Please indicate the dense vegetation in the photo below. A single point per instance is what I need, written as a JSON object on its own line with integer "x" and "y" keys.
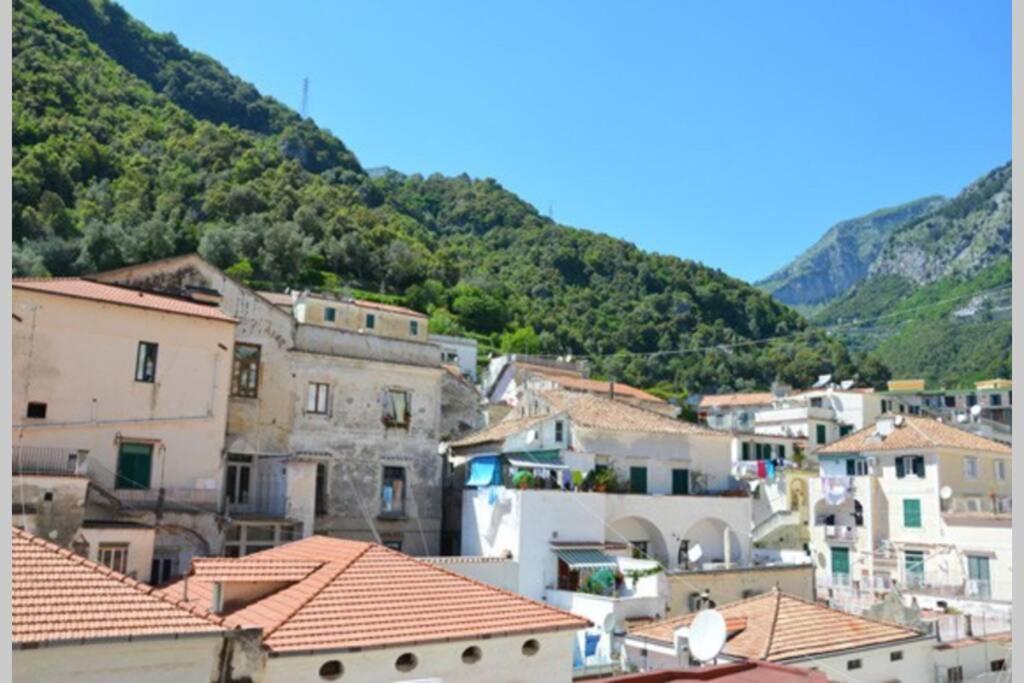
{"x": 129, "y": 147}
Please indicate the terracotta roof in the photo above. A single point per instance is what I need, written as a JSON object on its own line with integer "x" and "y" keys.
{"x": 781, "y": 627}
{"x": 737, "y": 672}
{"x": 277, "y": 298}
{"x": 1001, "y": 637}
{"x": 498, "y": 431}
{"x": 600, "y": 412}
{"x": 284, "y": 299}
{"x": 113, "y": 294}
{"x": 596, "y": 386}
{"x": 730, "y": 400}
{"x": 915, "y": 432}
{"x": 364, "y": 595}
{"x": 225, "y": 570}
{"x": 58, "y": 596}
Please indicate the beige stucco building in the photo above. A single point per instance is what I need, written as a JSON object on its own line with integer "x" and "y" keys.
{"x": 119, "y": 411}
{"x": 331, "y": 428}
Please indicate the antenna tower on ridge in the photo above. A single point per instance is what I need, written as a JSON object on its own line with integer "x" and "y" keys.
{"x": 305, "y": 96}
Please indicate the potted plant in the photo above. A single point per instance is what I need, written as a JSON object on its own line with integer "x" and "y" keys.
{"x": 605, "y": 480}
{"x": 523, "y": 480}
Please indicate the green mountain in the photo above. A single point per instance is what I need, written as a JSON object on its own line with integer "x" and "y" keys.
{"x": 935, "y": 303}
{"x": 842, "y": 257}
{"x": 129, "y": 147}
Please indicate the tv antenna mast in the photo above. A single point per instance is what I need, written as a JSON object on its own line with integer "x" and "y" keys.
{"x": 305, "y": 96}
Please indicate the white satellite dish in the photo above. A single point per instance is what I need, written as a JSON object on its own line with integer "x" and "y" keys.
{"x": 531, "y": 436}
{"x": 609, "y": 622}
{"x": 442, "y": 448}
{"x": 695, "y": 553}
{"x": 899, "y": 421}
{"x": 976, "y": 410}
{"x": 945, "y": 493}
{"x": 707, "y": 635}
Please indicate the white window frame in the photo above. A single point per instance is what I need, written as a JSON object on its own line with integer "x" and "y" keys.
{"x": 970, "y": 468}
{"x": 113, "y": 555}
{"x": 318, "y": 398}
{"x": 999, "y": 469}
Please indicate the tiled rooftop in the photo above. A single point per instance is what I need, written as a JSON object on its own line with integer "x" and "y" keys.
{"x": 223, "y": 569}
{"x": 498, "y": 431}
{"x": 600, "y": 412}
{"x": 780, "y": 627}
{"x": 58, "y": 596}
{"x": 736, "y": 672}
{"x": 597, "y": 386}
{"x": 364, "y": 595}
{"x": 731, "y": 400}
{"x": 915, "y": 432}
{"x": 113, "y": 294}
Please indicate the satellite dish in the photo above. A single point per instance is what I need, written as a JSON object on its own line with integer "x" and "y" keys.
{"x": 609, "y": 622}
{"x": 945, "y": 493}
{"x": 531, "y": 436}
{"x": 707, "y": 635}
{"x": 695, "y": 553}
{"x": 442, "y": 448}
{"x": 976, "y": 410}
{"x": 899, "y": 421}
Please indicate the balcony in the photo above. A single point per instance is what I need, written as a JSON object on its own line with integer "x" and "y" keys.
{"x": 847, "y": 534}
{"x": 259, "y": 505}
{"x": 170, "y": 498}
{"x": 43, "y": 460}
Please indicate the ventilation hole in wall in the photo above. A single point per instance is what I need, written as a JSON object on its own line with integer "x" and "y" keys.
{"x": 332, "y": 670}
{"x": 471, "y": 655}
{"x": 531, "y": 647}
{"x": 406, "y": 662}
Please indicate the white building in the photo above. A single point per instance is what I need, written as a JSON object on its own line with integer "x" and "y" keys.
{"x": 458, "y": 351}
{"x": 120, "y": 404}
{"x": 918, "y": 502}
{"x": 821, "y": 415}
{"x": 783, "y": 629}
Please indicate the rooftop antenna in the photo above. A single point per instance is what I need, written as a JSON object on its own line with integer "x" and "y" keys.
{"x": 707, "y": 635}
{"x": 305, "y": 96}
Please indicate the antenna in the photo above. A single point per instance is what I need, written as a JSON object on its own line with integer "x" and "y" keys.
{"x": 707, "y": 635}
{"x": 531, "y": 436}
{"x": 975, "y": 410}
{"x": 945, "y": 493}
{"x": 305, "y": 96}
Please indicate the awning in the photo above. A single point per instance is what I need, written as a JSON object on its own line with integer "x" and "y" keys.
{"x": 536, "y": 460}
{"x": 484, "y": 471}
{"x": 586, "y": 558}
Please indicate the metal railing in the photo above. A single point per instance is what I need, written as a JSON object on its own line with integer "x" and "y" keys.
{"x": 265, "y": 505}
{"x": 841, "y": 533}
{"x": 47, "y": 460}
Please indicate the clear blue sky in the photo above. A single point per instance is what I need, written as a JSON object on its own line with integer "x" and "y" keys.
{"x": 734, "y": 133}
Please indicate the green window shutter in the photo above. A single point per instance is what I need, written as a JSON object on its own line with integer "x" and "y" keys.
{"x": 918, "y": 465}
{"x": 680, "y": 482}
{"x": 781, "y": 451}
{"x": 912, "y": 513}
{"x": 638, "y": 480}
{"x": 822, "y": 433}
{"x": 851, "y": 467}
{"x": 746, "y": 451}
{"x": 134, "y": 466}
{"x": 840, "y": 560}
{"x": 901, "y": 469}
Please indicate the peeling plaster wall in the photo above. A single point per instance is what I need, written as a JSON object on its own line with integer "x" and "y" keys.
{"x": 57, "y": 520}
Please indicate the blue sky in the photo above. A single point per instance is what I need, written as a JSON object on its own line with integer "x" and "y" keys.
{"x": 734, "y": 133}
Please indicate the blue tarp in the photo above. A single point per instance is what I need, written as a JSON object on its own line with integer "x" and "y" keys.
{"x": 484, "y": 471}
{"x": 592, "y": 639}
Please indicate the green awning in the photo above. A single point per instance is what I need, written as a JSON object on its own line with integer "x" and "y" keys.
{"x": 548, "y": 459}
{"x": 586, "y": 558}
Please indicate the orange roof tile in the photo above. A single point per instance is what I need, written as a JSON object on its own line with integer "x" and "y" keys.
{"x": 781, "y": 627}
{"x": 498, "y": 431}
{"x": 113, "y": 294}
{"x": 915, "y": 432}
{"x": 730, "y": 400}
{"x": 596, "y": 386}
{"x": 600, "y": 412}
{"x": 58, "y": 596}
{"x": 225, "y": 570}
{"x": 365, "y": 595}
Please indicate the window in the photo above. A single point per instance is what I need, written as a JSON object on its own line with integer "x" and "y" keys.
{"x": 237, "y": 479}
{"x": 531, "y": 647}
{"x": 36, "y": 411}
{"x": 330, "y": 314}
{"x": 414, "y": 327}
{"x": 913, "y": 567}
{"x": 113, "y": 555}
{"x": 638, "y": 550}
{"x": 910, "y": 463}
{"x": 780, "y": 451}
{"x": 331, "y": 670}
{"x": 638, "y": 480}
{"x": 245, "y": 539}
{"x": 392, "y": 491}
{"x": 954, "y": 674}
{"x": 995, "y": 400}
{"x": 999, "y": 470}
{"x": 841, "y": 564}
{"x": 406, "y": 662}
{"x": 471, "y": 655}
{"x": 912, "y": 513}
{"x": 746, "y": 451}
{"x": 979, "y": 577}
{"x": 245, "y": 371}
{"x": 856, "y": 467}
{"x": 852, "y": 664}
{"x": 396, "y": 408}
{"x": 973, "y": 503}
{"x": 998, "y": 665}
{"x": 845, "y": 429}
{"x": 371, "y": 321}
{"x": 950, "y": 401}
{"x": 320, "y": 503}
{"x": 161, "y": 570}
{"x": 886, "y": 405}
{"x": 822, "y": 433}
{"x": 971, "y": 400}
{"x": 559, "y": 431}
{"x": 145, "y": 362}
{"x": 896, "y": 656}
{"x": 392, "y": 543}
{"x": 970, "y": 468}
{"x": 316, "y": 398}
{"x": 680, "y": 482}
{"x": 134, "y": 465}
{"x": 816, "y": 402}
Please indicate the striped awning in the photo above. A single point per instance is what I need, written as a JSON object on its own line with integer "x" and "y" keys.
{"x": 585, "y": 558}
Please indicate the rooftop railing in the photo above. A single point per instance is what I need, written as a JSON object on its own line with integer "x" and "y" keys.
{"x": 47, "y": 460}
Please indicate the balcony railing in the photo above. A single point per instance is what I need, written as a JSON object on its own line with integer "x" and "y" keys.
{"x": 171, "y": 497}
{"x": 261, "y": 505}
{"x": 841, "y": 533}
{"x": 979, "y": 588}
{"x": 47, "y": 460}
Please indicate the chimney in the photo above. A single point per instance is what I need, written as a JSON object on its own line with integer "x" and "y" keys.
{"x": 217, "y": 601}
{"x": 611, "y": 388}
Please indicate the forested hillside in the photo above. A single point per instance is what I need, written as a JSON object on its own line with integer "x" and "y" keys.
{"x": 129, "y": 147}
{"x": 936, "y": 301}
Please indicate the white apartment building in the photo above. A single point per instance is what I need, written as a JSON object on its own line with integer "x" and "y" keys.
{"x": 821, "y": 415}
{"x": 916, "y": 502}
{"x": 458, "y": 351}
